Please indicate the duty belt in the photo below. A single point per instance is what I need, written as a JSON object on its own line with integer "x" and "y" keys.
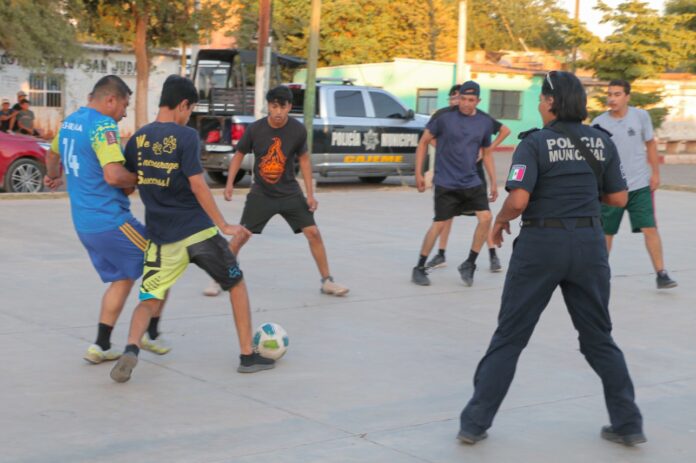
{"x": 580, "y": 222}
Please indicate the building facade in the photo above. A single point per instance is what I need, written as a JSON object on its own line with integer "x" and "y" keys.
{"x": 53, "y": 96}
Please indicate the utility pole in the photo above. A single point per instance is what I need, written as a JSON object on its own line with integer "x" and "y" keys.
{"x": 577, "y": 23}
{"x": 262, "y": 52}
{"x": 462, "y": 70}
{"x": 311, "y": 87}
{"x": 196, "y": 45}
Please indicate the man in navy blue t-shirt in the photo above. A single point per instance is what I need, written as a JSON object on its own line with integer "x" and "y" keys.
{"x": 458, "y": 188}
{"x": 183, "y": 223}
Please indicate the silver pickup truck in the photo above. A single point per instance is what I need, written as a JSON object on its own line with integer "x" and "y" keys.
{"x": 358, "y": 131}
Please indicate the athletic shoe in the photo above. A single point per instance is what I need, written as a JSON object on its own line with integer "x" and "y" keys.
{"x": 419, "y": 276}
{"x": 121, "y": 372}
{"x": 436, "y": 262}
{"x": 466, "y": 271}
{"x": 213, "y": 289}
{"x": 470, "y": 438}
{"x": 254, "y": 364}
{"x": 332, "y": 288}
{"x": 95, "y": 354}
{"x": 495, "y": 264}
{"x": 157, "y": 346}
{"x": 664, "y": 281}
{"x": 625, "y": 439}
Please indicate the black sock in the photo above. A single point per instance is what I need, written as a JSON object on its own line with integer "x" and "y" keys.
{"x": 472, "y": 257}
{"x": 491, "y": 252}
{"x": 152, "y": 329}
{"x": 441, "y": 253}
{"x": 421, "y": 260}
{"x": 104, "y": 336}
{"x": 132, "y": 348}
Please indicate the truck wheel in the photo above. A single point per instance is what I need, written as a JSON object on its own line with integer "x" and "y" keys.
{"x": 218, "y": 176}
{"x": 372, "y": 179}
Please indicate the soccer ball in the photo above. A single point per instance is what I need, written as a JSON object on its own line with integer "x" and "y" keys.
{"x": 271, "y": 341}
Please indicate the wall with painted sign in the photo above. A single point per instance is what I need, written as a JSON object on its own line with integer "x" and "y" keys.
{"x": 55, "y": 96}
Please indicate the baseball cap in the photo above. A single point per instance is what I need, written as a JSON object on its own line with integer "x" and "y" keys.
{"x": 5, "y": 100}
{"x": 470, "y": 88}
{"x": 21, "y": 93}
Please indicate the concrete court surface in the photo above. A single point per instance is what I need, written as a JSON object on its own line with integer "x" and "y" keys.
{"x": 378, "y": 376}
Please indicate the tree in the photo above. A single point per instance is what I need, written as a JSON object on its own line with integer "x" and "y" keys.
{"x": 363, "y": 31}
{"x": 39, "y": 33}
{"x": 685, "y": 7}
{"x": 643, "y": 43}
{"x": 147, "y": 24}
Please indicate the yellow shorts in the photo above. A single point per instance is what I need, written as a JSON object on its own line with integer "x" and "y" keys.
{"x": 165, "y": 263}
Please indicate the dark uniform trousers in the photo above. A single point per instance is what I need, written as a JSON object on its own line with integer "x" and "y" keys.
{"x": 575, "y": 259}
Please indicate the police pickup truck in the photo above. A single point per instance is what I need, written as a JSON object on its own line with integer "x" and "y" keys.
{"x": 358, "y": 131}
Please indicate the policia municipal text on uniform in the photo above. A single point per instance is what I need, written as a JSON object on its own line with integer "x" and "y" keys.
{"x": 561, "y": 244}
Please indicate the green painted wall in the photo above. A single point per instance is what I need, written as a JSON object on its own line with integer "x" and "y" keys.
{"x": 403, "y": 77}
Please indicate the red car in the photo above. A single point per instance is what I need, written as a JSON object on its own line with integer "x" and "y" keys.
{"x": 22, "y": 163}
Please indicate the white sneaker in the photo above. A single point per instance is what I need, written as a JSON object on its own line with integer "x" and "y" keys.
{"x": 157, "y": 346}
{"x": 95, "y": 354}
{"x": 213, "y": 289}
{"x": 333, "y": 289}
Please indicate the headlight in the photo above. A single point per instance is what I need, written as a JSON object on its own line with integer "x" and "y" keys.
{"x": 44, "y": 146}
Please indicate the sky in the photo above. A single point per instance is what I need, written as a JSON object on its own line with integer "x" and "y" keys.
{"x": 591, "y": 17}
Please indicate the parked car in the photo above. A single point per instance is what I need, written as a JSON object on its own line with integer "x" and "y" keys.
{"x": 22, "y": 163}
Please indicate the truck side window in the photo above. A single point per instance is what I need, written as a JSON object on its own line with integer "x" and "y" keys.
{"x": 385, "y": 106}
{"x": 349, "y": 103}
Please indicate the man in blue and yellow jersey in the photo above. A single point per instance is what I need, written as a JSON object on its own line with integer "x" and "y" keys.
{"x": 89, "y": 146}
{"x": 183, "y": 222}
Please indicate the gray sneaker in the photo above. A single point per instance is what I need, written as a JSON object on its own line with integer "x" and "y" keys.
{"x": 466, "y": 271}
{"x": 436, "y": 262}
{"x": 664, "y": 281}
{"x": 121, "y": 372}
{"x": 255, "y": 363}
{"x": 495, "y": 264}
{"x": 629, "y": 440}
{"x": 420, "y": 276}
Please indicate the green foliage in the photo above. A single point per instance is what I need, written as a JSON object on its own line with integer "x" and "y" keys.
{"x": 364, "y": 31}
{"x": 39, "y": 33}
{"x": 685, "y": 7}
{"x": 643, "y": 44}
{"x": 170, "y": 22}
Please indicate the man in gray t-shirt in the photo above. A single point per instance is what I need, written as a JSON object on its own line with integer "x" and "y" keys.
{"x": 632, "y": 133}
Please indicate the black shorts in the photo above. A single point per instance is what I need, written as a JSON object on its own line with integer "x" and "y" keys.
{"x": 451, "y": 203}
{"x": 259, "y": 209}
{"x": 482, "y": 176}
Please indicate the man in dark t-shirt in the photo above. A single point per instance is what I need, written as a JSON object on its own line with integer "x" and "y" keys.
{"x": 502, "y": 131}
{"x": 278, "y": 141}
{"x": 7, "y": 116}
{"x": 460, "y": 135}
{"x": 183, "y": 223}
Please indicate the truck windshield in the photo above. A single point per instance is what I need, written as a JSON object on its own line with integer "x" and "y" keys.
{"x": 211, "y": 74}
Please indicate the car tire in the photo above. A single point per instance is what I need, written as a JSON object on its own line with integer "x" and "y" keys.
{"x": 24, "y": 176}
{"x": 218, "y": 176}
{"x": 372, "y": 180}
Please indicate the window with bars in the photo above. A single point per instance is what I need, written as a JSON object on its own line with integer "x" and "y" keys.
{"x": 505, "y": 104}
{"x": 46, "y": 90}
{"x": 426, "y": 102}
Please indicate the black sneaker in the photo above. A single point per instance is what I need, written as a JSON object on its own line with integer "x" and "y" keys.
{"x": 466, "y": 271}
{"x": 664, "y": 281}
{"x": 436, "y": 262}
{"x": 253, "y": 363}
{"x": 121, "y": 372}
{"x": 625, "y": 439}
{"x": 470, "y": 438}
{"x": 420, "y": 276}
{"x": 495, "y": 264}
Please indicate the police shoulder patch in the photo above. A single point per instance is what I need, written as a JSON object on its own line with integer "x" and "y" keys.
{"x": 602, "y": 129}
{"x": 525, "y": 134}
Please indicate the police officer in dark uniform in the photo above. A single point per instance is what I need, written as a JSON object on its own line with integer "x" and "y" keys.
{"x": 561, "y": 244}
